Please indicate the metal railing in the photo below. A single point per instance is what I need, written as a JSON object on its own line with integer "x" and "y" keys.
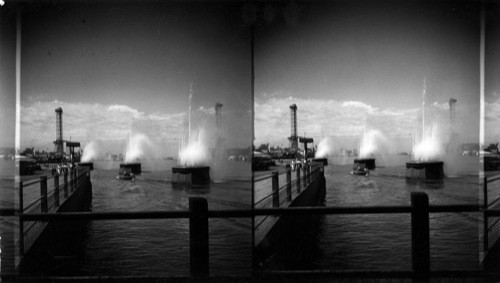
{"x": 282, "y": 195}
{"x": 49, "y": 201}
{"x": 199, "y": 214}
{"x": 491, "y": 200}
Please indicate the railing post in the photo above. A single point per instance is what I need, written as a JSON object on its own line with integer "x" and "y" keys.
{"x": 420, "y": 236}
{"x": 56, "y": 190}
{"x": 276, "y": 189}
{"x": 288, "y": 184}
{"x": 65, "y": 184}
{"x": 75, "y": 173}
{"x": 298, "y": 180}
{"x": 43, "y": 194}
{"x": 485, "y": 192}
{"x": 198, "y": 238}
{"x": 486, "y": 244}
{"x": 308, "y": 172}
{"x": 21, "y": 205}
{"x": 305, "y": 175}
{"x": 72, "y": 181}
{"x": 21, "y": 222}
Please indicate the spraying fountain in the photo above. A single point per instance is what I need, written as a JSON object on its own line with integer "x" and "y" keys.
{"x": 193, "y": 157}
{"x": 426, "y": 164}
{"x": 90, "y": 153}
{"x": 325, "y": 148}
{"x": 133, "y": 152}
{"x": 366, "y": 150}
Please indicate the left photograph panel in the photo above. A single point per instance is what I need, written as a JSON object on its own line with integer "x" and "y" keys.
{"x": 128, "y": 130}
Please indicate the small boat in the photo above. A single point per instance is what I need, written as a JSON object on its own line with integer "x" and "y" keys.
{"x": 360, "y": 169}
{"x": 126, "y": 174}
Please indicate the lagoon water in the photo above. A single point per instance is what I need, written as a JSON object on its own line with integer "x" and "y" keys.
{"x": 161, "y": 247}
{"x": 383, "y": 241}
{"x": 338, "y": 242}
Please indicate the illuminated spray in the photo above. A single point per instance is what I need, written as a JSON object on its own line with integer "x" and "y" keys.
{"x": 430, "y": 147}
{"x": 196, "y": 151}
{"x": 372, "y": 142}
{"x": 139, "y": 147}
{"x": 91, "y": 152}
{"x": 325, "y": 148}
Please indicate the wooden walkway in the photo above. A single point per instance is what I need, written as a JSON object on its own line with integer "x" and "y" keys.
{"x": 279, "y": 188}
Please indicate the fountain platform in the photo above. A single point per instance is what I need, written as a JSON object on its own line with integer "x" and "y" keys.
{"x": 324, "y": 161}
{"x": 89, "y": 165}
{"x": 195, "y": 175}
{"x": 432, "y": 170}
{"x": 368, "y": 163}
{"x": 134, "y": 166}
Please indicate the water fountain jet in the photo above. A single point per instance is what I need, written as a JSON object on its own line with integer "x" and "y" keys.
{"x": 325, "y": 148}
{"x": 193, "y": 157}
{"x": 137, "y": 149}
{"x": 90, "y": 153}
{"x": 370, "y": 144}
{"x": 426, "y": 163}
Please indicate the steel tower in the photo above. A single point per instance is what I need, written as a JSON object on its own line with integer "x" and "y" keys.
{"x": 294, "y": 140}
{"x": 59, "y": 143}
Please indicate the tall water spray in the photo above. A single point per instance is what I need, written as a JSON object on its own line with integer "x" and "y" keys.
{"x": 373, "y": 142}
{"x": 194, "y": 157}
{"x": 139, "y": 147}
{"x": 430, "y": 147}
{"x": 91, "y": 152}
{"x": 194, "y": 151}
{"x": 325, "y": 148}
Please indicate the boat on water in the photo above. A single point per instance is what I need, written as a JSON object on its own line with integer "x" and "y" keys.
{"x": 126, "y": 174}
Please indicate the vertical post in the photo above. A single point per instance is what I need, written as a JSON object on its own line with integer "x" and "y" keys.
{"x": 485, "y": 192}
{"x": 21, "y": 222}
{"x": 21, "y": 205}
{"x": 43, "y": 194}
{"x": 298, "y": 180}
{"x": 288, "y": 184}
{"x": 198, "y": 238}
{"x": 56, "y": 190}
{"x": 309, "y": 172}
{"x": 276, "y": 189}
{"x": 486, "y": 244}
{"x": 65, "y": 184}
{"x": 72, "y": 181}
{"x": 305, "y": 175}
{"x": 420, "y": 236}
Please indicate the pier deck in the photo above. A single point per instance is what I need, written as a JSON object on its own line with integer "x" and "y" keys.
{"x": 67, "y": 192}
{"x": 283, "y": 187}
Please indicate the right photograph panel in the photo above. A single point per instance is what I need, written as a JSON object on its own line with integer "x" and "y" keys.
{"x": 491, "y": 137}
{"x": 366, "y": 114}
